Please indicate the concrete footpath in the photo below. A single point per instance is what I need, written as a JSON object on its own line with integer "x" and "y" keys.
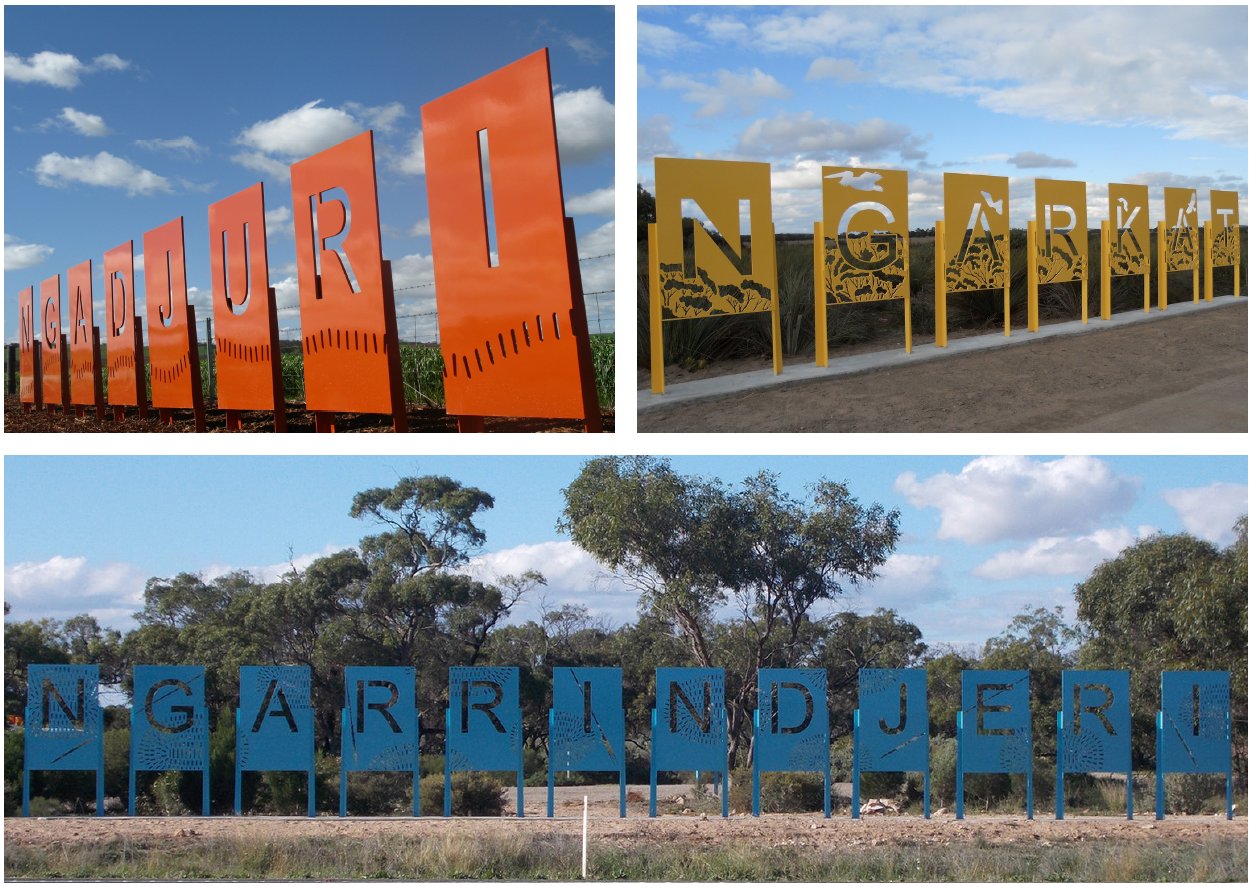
{"x": 739, "y": 383}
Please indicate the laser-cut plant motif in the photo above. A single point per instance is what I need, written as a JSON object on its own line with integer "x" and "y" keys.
{"x": 687, "y": 298}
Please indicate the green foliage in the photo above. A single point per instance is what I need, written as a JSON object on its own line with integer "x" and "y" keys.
{"x": 1169, "y": 603}
{"x": 848, "y": 642}
{"x": 14, "y": 752}
{"x": 380, "y": 794}
{"x": 779, "y": 792}
{"x": 475, "y": 794}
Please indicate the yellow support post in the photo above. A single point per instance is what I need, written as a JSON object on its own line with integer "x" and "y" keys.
{"x": 1104, "y": 269}
{"x": 1162, "y": 242}
{"x": 1032, "y": 275}
{"x": 906, "y": 283}
{"x": 1084, "y": 297}
{"x": 1195, "y": 270}
{"x": 1006, "y": 298}
{"x": 1208, "y": 274}
{"x": 821, "y": 300}
{"x": 940, "y": 287}
{"x": 1237, "y": 265}
{"x": 658, "y": 384}
{"x": 777, "y": 361}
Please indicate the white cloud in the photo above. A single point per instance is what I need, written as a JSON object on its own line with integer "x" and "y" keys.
{"x": 57, "y": 68}
{"x": 137, "y": 264}
{"x": 301, "y": 132}
{"x": 267, "y": 166}
{"x": 1013, "y": 497}
{"x": 728, "y": 93}
{"x": 1179, "y": 69}
{"x": 572, "y": 577}
{"x": 271, "y": 573}
{"x": 906, "y": 582}
{"x": 380, "y": 118}
{"x": 653, "y": 138}
{"x": 87, "y": 124}
{"x": 421, "y": 228}
{"x": 185, "y": 144}
{"x": 414, "y": 269}
{"x": 62, "y": 587}
{"x": 1209, "y": 512}
{"x": 1057, "y": 556}
{"x": 843, "y": 70}
{"x": 660, "y": 40}
{"x": 104, "y": 170}
{"x": 585, "y": 125}
{"x": 413, "y": 161}
{"x": 597, "y": 276}
{"x": 279, "y": 223}
{"x": 1031, "y": 160}
{"x": 597, "y": 203}
{"x": 789, "y": 133}
{"x": 19, "y": 255}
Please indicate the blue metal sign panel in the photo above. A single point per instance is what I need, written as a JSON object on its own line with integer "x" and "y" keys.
{"x": 1095, "y": 731}
{"x": 276, "y": 719}
{"x": 64, "y": 725}
{"x": 1195, "y": 707}
{"x": 997, "y": 723}
{"x": 378, "y": 725}
{"x": 791, "y": 728}
{"x": 586, "y": 730}
{"x": 380, "y": 731}
{"x": 485, "y": 719}
{"x": 586, "y": 725}
{"x": 483, "y": 725}
{"x": 893, "y": 720}
{"x": 64, "y": 721}
{"x": 690, "y": 724}
{"x": 170, "y": 724}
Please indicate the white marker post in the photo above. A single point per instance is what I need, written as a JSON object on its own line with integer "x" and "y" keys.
{"x": 584, "y": 855}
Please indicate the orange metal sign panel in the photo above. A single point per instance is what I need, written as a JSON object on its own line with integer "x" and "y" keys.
{"x": 172, "y": 350}
{"x": 85, "y": 382}
{"x": 349, "y": 337}
{"x": 52, "y": 358}
{"x": 514, "y": 336}
{"x": 125, "y": 342}
{"x": 247, "y": 328}
{"x": 30, "y": 391}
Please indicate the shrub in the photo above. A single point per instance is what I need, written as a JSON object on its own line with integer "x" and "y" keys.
{"x": 475, "y": 794}
{"x": 1194, "y": 794}
{"x": 780, "y": 792}
{"x": 380, "y": 793}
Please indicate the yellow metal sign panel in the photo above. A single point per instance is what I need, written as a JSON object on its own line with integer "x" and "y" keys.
{"x": 1128, "y": 207}
{"x": 866, "y": 234}
{"x": 977, "y": 245}
{"x": 1224, "y": 228}
{"x": 1181, "y": 213}
{"x": 1062, "y": 245}
{"x": 721, "y": 275}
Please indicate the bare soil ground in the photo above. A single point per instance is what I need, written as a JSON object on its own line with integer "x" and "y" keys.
{"x": 605, "y": 827}
{"x": 425, "y": 419}
{"x": 1189, "y": 372}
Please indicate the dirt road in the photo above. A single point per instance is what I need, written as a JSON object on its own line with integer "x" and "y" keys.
{"x": 1183, "y": 374}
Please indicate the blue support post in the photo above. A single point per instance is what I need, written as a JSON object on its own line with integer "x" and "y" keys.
{"x": 344, "y": 776}
{"x": 130, "y": 799}
{"x": 100, "y": 781}
{"x": 1159, "y": 766}
{"x": 928, "y": 802}
{"x": 755, "y": 787}
{"x": 448, "y": 779}
{"x": 1058, "y": 766}
{"x": 237, "y": 763}
{"x": 1029, "y": 802}
{"x": 550, "y": 805}
{"x": 310, "y": 781}
{"x": 828, "y": 793}
{"x": 417, "y": 772}
{"x": 1128, "y": 794}
{"x": 855, "y": 803}
{"x": 623, "y": 790}
{"x": 725, "y": 793}
{"x": 519, "y": 782}
{"x": 958, "y": 770}
{"x": 1228, "y": 784}
{"x": 26, "y": 791}
{"x": 653, "y": 763}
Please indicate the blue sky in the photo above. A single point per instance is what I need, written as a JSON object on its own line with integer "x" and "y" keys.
{"x": 1153, "y": 95}
{"x": 119, "y": 119}
{"x": 982, "y": 538}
